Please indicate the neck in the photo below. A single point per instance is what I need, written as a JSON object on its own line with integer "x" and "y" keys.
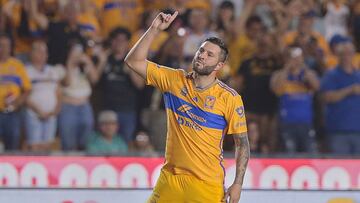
{"x": 204, "y": 81}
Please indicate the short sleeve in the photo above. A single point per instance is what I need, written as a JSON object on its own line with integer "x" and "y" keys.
{"x": 59, "y": 71}
{"x": 327, "y": 83}
{"x": 235, "y": 116}
{"x": 160, "y": 76}
{"x": 26, "y": 83}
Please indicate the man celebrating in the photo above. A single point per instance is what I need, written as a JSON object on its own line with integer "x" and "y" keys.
{"x": 200, "y": 111}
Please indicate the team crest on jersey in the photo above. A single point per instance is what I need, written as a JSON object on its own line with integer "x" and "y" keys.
{"x": 240, "y": 111}
{"x": 184, "y": 91}
{"x": 210, "y": 102}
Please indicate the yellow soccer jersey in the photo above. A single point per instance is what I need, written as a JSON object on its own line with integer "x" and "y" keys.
{"x": 197, "y": 122}
{"x": 124, "y": 13}
{"x": 13, "y": 79}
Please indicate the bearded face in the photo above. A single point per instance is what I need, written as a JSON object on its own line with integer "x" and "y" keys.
{"x": 206, "y": 59}
{"x": 201, "y": 69}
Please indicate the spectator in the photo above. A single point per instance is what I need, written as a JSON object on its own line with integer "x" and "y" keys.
{"x": 336, "y": 18}
{"x": 253, "y": 81}
{"x": 88, "y": 20}
{"x": 306, "y": 33}
{"x": 243, "y": 46}
{"x": 146, "y": 21}
{"x": 76, "y": 116}
{"x": 44, "y": 101}
{"x": 184, "y": 7}
{"x": 295, "y": 85}
{"x": 355, "y": 24}
{"x": 106, "y": 141}
{"x": 120, "y": 13}
{"x": 331, "y": 61}
{"x": 199, "y": 25}
{"x": 26, "y": 22}
{"x": 14, "y": 89}
{"x": 341, "y": 94}
{"x": 64, "y": 33}
{"x": 225, "y": 21}
{"x": 142, "y": 146}
{"x": 119, "y": 85}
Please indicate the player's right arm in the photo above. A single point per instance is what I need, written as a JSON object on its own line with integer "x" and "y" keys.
{"x": 136, "y": 59}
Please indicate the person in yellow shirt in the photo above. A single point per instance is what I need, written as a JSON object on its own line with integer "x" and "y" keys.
{"x": 247, "y": 30}
{"x": 124, "y": 13}
{"x": 201, "y": 110}
{"x": 26, "y": 25}
{"x": 331, "y": 60}
{"x": 88, "y": 20}
{"x": 146, "y": 22}
{"x": 14, "y": 88}
{"x": 305, "y": 31}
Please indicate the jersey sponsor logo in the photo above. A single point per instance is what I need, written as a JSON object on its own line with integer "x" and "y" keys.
{"x": 210, "y": 102}
{"x": 196, "y": 114}
{"x": 186, "y": 109}
{"x": 182, "y": 121}
{"x": 240, "y": 111}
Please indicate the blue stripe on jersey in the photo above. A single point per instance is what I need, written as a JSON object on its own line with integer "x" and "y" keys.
{"x": 11, "y": 79}
{"x": 115, "y": 5}
{"x": 196, "y": 114}
{"x": 87, "y": 27}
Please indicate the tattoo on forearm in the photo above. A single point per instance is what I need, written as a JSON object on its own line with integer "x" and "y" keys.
{"x": 242, "y": 156}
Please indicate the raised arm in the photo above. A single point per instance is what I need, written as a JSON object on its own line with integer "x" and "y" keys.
{"x": 242, "y": 156}
{"x": 333, "y": 96}
{"x": 136, "y": 58}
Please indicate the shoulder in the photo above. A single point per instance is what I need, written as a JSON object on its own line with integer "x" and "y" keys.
{"x": 30, "y": 70}
{"x": 173, "y": 70}
{"x": 331, "y": 73}
{"x": 15, "y": 62}
{"x": 229, "y": 92}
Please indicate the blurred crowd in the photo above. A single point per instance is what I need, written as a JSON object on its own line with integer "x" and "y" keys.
{"x": 64, "y": 84}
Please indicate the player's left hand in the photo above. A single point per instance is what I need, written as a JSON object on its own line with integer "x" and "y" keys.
{"x": 233, "y": 193}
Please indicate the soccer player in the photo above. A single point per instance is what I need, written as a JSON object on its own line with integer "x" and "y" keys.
{"x": 201, "y": 110}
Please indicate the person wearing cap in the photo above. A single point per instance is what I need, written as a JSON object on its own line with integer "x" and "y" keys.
{"x": 331, "y": 61}
{"x": 106, "y": 140}
{"x": 340, "y": 90}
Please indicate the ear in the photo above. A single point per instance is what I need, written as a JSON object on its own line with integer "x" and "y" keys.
{"x": 219, "y": 66}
